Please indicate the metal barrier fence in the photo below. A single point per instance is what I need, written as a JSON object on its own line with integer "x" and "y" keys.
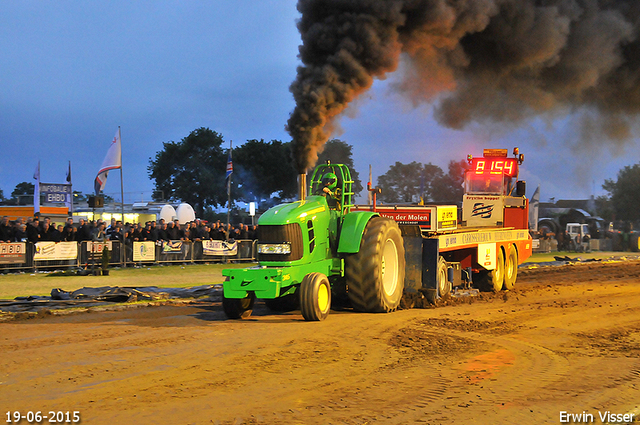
{"x": 60, "y": 255}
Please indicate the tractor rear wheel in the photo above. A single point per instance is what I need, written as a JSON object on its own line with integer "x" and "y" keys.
{"x": 315, "y": 297}
{"x": 511, "y": 268}
{"x": 375, "y": 275}
{"x": 492, "y": 280}
{"x": 238, "y": 308}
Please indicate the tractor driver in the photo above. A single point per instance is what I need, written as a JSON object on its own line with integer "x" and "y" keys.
{"x": 330, "y": 190}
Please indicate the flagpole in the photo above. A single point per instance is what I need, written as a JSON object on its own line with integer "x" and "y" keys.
{"x": 229, "y": 191}
{"x": 71, "y": 189}
{"x": 122, "y": 196}
{"x": 36, "y": 192}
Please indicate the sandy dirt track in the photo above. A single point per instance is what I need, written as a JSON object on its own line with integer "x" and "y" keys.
{"x": 566, "y": 339}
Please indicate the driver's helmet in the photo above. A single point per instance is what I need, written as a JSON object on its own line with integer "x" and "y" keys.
{"x": 330, "y": 181}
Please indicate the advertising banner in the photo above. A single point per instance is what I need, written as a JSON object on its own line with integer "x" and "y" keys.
{"x": 98, "y": 247}
{"x": 172, "y": 247}
{"x": 13, "y": 253}
{"x": 144, "y": 252}
{"x": 210, "y": 247}
{"x": 56, "y": 251}
{"x": 483, "y": 210}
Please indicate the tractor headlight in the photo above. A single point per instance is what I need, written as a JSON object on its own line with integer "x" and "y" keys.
{"x": 274, "y": 248}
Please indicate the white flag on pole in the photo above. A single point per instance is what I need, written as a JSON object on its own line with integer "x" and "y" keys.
{"x": 112, "y": 161}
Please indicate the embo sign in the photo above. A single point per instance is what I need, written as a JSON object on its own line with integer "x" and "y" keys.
{"x": 55, "y": 193}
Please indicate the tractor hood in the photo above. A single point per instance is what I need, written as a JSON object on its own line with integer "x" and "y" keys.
{"x": 295, "y": 212}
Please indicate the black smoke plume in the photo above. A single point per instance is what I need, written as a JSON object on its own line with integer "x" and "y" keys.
{"x": 480, "y": 60}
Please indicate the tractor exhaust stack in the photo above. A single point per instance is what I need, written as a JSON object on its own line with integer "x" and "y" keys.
{"x": 302, "y": 186}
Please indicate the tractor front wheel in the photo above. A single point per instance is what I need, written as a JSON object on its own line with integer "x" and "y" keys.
{"x": 238, "y": 308}
{"x": 375, "y": 275}
{"x": 315, "y": 297}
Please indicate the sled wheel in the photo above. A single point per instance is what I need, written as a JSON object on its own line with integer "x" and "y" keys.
{"x": 492, "y": 280}
{"x": 511, "y": 268}
{"x": 238, "y": 308}
{"x": 315, "y": 297}
{"x": 375, "y": 275}
{"x": 443, "y": 284}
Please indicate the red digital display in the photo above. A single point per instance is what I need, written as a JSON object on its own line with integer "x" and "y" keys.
{"x": 502, "y": 166}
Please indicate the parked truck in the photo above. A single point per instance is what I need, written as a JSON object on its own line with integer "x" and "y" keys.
{"x": 323, "y": 246}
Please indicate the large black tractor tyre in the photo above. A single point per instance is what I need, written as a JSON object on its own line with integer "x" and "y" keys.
{"x": 511, "y": 268}
{"x": 238, "y": 308}
{"x": 315, "y": 297}
{"x": 285, "y": 303}
{"x": 444, "y": 286}
{"x": 493, "y": 280}
{"x": 375, "y": 275}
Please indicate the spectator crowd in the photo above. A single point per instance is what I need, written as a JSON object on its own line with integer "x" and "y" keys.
{"x": 33, "y": 230}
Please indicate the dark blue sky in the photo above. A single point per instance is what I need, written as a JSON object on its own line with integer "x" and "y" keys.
{"x": 72, "y": 72}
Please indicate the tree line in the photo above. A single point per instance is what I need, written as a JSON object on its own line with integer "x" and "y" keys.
{"x": 193, "y": 171}
{"x": 622, "y": 201}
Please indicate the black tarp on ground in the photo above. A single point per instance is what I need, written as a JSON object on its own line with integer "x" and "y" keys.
{"x": 88, "y": 297}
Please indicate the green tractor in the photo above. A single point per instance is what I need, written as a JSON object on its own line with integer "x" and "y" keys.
{"x": 316, "y": 248}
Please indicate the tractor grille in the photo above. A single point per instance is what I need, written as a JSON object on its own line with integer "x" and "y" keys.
{"x": 291, "y": 233}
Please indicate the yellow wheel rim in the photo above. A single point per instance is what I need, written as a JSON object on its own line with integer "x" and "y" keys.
{"x": 323, "y": 297}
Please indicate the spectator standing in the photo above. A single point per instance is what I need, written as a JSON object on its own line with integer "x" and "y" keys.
{"x": 6, "y": 231}
{"x": 136, "y": 234}
{"x": 115, "y": 234}
{"x": 234, "y": 233}
{"x": 194, "y": 232}
{"x": 153, "y": 234}
{"x": 46, "y": 234}
{"x": 68, "y": 234}
{"x": 99, "y": 233}
{"x": 84, "y": 232}
{"x": 173, "y": 232}
{"x": 243, "y": 232}
{"x": 162, "y": 232}
{"x": 145, "y": 233}
{"x": 222, "y": 234}
{"x": 33, "y": 235}
{"x": 184, "y": 232}
{"x": 111, "y": 228}
{"x": 20, "y": 233}
{"x": 47, "y": 221}
{"x": 179, "y": 230}
{"x": 206, "y": 234}
{"x": 56, "y": 234}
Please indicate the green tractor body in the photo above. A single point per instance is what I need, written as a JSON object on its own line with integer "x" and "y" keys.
{"x": 304, "y": 251}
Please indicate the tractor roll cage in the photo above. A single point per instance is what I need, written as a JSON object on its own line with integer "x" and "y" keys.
{"x": 344, "y": 183}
